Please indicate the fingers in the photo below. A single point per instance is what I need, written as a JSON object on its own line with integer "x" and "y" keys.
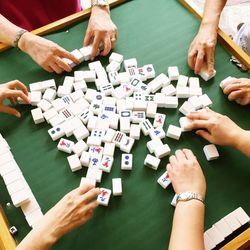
{"x": 17, "y": 84}
{"x": 56, "y": 68}
{"x": 63, "y": 65}
{"x": 91, "y": 194}
{"x": 15, "y": 94}
{"x": 210, "y": 58}
{"x": 107, "y": 47}
{"x": 188, "y": 154}
{"x": 9, "y": 110}
{"x": 92, "y": 205}
{"x": 173, "y": 160}
{"x": 196, "y": 124}
{"x": 199, "y": 115}
{"x": 85, "y": 188}
{"x": 48, "y": 68}
{"x": 192, "y": 58}
{"x": 235, "y": 95}
{"x": 180, "y": 156}
{"x": 199, "y": 61}
{"x": 114, "y": 39}
{"x": 204, "y": 134}
{"x": 96, "y": 44}
{"x": 169, "y": 167}
{"x": 243, "y": 101}
{"x": 87, "y": 39}
{"x": 65, "y": 54}
{"x": 12, "y": 100}
{"x": 232, "y": 87}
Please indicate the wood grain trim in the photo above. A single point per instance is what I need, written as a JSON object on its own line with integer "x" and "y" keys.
{"x": 242, "y": 242}
{"x": 7, "y": 242}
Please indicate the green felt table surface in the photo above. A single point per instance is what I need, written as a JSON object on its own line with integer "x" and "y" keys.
{"x": 157, "y": 32}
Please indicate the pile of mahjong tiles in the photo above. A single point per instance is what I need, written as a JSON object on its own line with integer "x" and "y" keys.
{"x": 115, "y": 114}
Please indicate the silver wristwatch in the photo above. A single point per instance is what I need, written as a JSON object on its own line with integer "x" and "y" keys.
{"x": 186, "y": 196}
{"x": 101, "y": 3}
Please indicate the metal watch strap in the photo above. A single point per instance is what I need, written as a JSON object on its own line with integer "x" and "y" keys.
{"x": 96, "y": 3}
{"x": 18, "y": 36}
{"x": 193, "y": 196}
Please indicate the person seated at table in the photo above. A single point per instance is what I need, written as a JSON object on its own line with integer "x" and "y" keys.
{"x": 220, "y": 129}
{"x": 18, "y": 16}
{"x": 73, "y": 210}
{"x": 201, "y": 51}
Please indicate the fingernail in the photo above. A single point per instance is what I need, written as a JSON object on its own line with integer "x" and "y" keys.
{"x": 18, "y": 115}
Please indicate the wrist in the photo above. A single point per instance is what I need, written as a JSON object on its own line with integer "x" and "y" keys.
{"x": 24, "y": 42}
{"x": 210, "y": 27}
{"x": 98, "y": 9}
{"x": 190, "y": 195}
{"x": 190, "y": 203}
{"x": 241, "y": 140}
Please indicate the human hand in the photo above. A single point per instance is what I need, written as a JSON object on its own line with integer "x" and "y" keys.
{"x": 238, "y": 90}
{"x": 11, "y": 92}
{"x": 46, "y": 53}
{"x": 214, "y": 127}
{"x": 201, "y": 51}
{"x": 102, "y": 30}
{"x": 185, "y": 173}
{"x": 73, "y": 210}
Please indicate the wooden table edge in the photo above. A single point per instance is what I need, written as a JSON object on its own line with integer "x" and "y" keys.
{"x": 226, "y": 41}
{"x": 240, "y": 242}
{"x": 7, "y": 242}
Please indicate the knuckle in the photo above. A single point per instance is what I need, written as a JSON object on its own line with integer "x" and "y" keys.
{"x": 54, "y": 49}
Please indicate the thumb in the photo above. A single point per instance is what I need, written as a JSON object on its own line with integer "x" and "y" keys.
{"x": 9, "y": 110}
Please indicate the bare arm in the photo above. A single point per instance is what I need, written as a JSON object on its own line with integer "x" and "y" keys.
{"x": 188, "y": 223}
{"x": 201, "y": 51}
{"x": 7, "y": 31}
{"x": 212, "y": 12}
{"x": 243, "y": 143}
{"x": 73, "y": 210}
{"x": 188, "y": 226}
{"x": 44, "y": 52}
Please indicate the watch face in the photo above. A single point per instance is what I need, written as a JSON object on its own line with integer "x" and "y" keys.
{"x": 185, "y": 195}
{"x": 103, "y": 2}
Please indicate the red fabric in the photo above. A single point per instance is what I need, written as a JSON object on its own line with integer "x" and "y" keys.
{"x": 36, "y": 13}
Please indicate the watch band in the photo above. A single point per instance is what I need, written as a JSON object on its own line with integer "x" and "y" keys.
{"x": 99, "y": 3}
{"x": 187, "y": 196}
{"x": 18, "y": 37}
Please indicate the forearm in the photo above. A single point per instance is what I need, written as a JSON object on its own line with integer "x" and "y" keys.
{"x": 8, "y": 31}
{"x": 212, "y": 12}
{"x": 42, "y": 236}
{"x": 35, "y": 241}
{"x": 188, "y": 226}
{"x": 243, "y": 142}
